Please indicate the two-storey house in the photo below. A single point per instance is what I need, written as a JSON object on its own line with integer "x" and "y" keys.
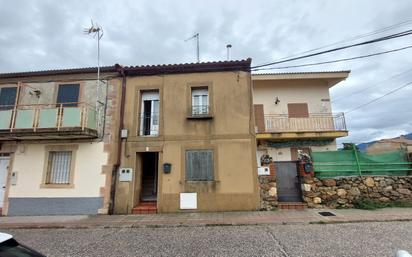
{"x": 188, "y": 140}
{"x": 57, "y": 134}
{"x": 293, "y": 113}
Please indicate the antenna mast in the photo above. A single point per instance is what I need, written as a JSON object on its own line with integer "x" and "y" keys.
{"x": 196, "y": 36}
{"x": 96, "y": 31}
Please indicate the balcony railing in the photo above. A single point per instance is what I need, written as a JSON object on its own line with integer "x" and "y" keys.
{"x": 199, "y": 111}
{"x": 57, "y": 120}
{"x": 149, "y": 124}
{"x": 314, "y": 122}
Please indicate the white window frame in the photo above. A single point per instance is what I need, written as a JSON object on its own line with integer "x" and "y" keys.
{"x": 200, "y": 101}
{"x": 152, "y": 96}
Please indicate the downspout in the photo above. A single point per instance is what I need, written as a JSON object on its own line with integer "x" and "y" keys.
{"x": 116, "y": 166}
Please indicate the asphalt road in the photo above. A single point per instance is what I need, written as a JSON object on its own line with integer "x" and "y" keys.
{"x": 356, "y": 239}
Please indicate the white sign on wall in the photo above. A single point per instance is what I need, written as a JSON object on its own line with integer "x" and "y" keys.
{"x": 188, "y": 201}
{"x": 125, "y": 174}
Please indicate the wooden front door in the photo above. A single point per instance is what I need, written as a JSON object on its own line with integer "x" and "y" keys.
{"x": 287, "y": 181}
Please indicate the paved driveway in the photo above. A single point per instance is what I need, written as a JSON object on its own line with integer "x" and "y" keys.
{"x": 355, "y": 239}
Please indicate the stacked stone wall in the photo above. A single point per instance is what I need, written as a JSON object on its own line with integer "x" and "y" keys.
{"x": 343, "y": 192}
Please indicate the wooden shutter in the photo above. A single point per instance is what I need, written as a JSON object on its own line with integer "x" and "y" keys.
{"x": 199, "y": 165}
{"x": 299, "y": 110}
{"x": 259, "y": 118}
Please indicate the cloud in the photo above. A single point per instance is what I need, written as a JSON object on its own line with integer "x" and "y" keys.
{"x": 48, "y": 34}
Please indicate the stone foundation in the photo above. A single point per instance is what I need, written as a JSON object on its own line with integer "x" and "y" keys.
{"x": 342, "y": 192}
{"x": 268, "y": 193}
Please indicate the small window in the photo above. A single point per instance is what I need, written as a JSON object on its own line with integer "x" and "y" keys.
{"x": 199, "y": 165}
{"x": 149, "y": 114}
{"x": 68, "y": 95}
{"x": 59, "y": 167}
{"x": 7, "y": 97}
{"x": 200, "y": 101}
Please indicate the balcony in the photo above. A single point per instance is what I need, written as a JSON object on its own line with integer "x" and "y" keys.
{"x": 149, "y": 124}
{"x": 48, "y": 121}
{"x": 199, "y": 112}
{"x": 325, "y": 125}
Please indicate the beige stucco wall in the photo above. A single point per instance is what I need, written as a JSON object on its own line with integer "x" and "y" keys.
{"x": 292, "y": 91}
{"x": 230, "y": 133}
{"x": 29, "y": 164}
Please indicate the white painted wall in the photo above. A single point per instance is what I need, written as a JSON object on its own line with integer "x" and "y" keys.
{"x": 291, "y": 91}
{"x": 29, "y": 163}
{"x": 283, "y": 154}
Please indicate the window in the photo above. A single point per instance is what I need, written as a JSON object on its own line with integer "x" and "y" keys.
{"x": 200, "y": 101}
{"x": 298, "y": 110}
{"x": 7, "y": 97}
{"x": 59, "y": 167}
{"x": 68, "y": 95}
{"x": 199, "y": 165}
{"x": 149, "y": 114}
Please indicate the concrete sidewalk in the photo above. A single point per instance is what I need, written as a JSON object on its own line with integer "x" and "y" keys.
{"x": 208, "y": 219}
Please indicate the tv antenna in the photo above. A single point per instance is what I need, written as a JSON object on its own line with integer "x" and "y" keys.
{"x": 96, "y": 31}
{"x": 195, "y": 36}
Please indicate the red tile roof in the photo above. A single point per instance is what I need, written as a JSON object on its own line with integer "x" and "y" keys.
{"x": 242, "y": 65}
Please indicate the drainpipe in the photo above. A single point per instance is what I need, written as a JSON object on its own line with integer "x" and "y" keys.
{"x": 115, "y": 170}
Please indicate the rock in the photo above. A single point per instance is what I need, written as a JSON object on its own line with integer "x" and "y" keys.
{"x": 306, "y": 187}
{"x": 388, "y": 188}
{"x": 329, "y": 182}
{"x": 317, "y": 200}
{"x": 404, "y": 191}
{"x": 272, "y": 191}
{"x": 354, "y": 191}
{"x": 342, "y": 192}
{"x": 369, "y": 182}
{"x": 384, "y": 199}
{"x": 346, "y": 186}
{"x": 342, "y": 201}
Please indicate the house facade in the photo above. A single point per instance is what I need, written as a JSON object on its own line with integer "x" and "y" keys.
{"x": 293, "y": 113}
{"x": 58, "y": 132}
{"x": 188, "y": 141}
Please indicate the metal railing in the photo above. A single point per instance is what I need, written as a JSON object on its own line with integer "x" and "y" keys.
{"x": 48, "y": 116}
{"x": 199, "y": 110}
{"x": 149, "y": 124}
{"x": 314, "y": 122}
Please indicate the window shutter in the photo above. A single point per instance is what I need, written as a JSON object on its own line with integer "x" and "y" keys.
{"x": 199, "y": 165}
{"x": 259, "y": 118}
{"x": 299, "y": 110}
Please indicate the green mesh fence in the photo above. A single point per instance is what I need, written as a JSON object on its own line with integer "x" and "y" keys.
{"x": 354, "y": 163}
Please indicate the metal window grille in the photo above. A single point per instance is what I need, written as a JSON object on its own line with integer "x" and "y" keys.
{"x": 59, "y": 167}
{"x": 199, "y": 165}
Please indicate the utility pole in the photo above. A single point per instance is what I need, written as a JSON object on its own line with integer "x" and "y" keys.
{"x": 196, "y": 36}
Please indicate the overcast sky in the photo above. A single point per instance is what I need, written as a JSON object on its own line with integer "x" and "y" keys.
{"x": 48, "y": 34}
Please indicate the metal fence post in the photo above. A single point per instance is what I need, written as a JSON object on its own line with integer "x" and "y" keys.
{"x": 357, "y": 159}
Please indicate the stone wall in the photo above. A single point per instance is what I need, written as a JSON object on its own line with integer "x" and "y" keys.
{"x": 342, "y": 192}
{"x": 268, "y": 193}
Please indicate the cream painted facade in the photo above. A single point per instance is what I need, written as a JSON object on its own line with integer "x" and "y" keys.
{"x": 28, "y": 164}
{"x": 227, "y": 131}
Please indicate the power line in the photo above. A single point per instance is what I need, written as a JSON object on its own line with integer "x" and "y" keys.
{"x": 333, "y": 61}
{"x": 340, "y": 98}
{"x": 378, "y": 98}
{"x": 378, "y": 31}
{"x": 396, "y": 35}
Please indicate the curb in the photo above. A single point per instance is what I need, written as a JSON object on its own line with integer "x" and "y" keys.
{"x": 132, "y": 225}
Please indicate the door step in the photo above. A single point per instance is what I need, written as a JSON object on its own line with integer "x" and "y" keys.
{"x": 145, "y": 208}
{"x": 292, "y": 205}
